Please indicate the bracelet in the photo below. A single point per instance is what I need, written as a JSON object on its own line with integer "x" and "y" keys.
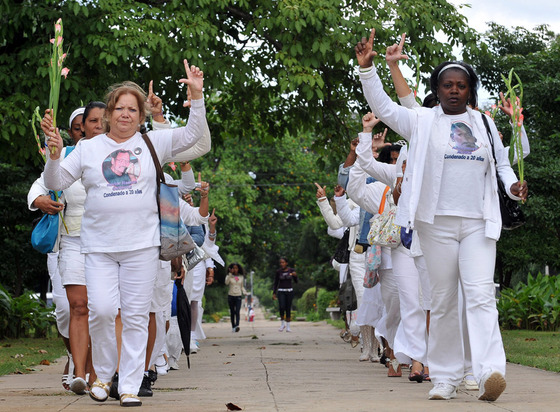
{"x": 157, "y": 114}
{"x": 322, "y": 198}
{"x": 211, "y": 233}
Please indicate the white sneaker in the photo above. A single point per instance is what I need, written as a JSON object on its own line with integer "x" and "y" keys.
{"x": 281, "y": 328}
{"x": 442, "y": 391}
{"x": 470, "y": 382}
{"x": 161, "y": 365}
{"x": 173, "y": 365}
{"x": 364, "y": 357}
{"x": 492, "y": 385}
{"x": 288, "y": 327}
{"x": 194, "y": 348}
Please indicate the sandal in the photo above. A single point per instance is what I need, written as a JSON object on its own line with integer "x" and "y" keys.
{"x": 354, "y": 341}
{"x": 417, "y": 375}
{"x": 394, "y": 369}
{"x": 128, "y": 399}
{"x": 69, "y": 375}
{"x": 97, "y": 395}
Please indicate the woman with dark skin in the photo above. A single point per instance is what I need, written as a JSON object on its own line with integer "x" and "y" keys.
{"x": 284, "y": 292}
{"x": 458, "y": 224}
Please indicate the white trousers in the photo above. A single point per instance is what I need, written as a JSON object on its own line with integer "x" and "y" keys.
{"x": 390, "y": 295}
{"x": 160, "y": 337}
{"x": 130, "y": 275}
{"x": 62, "y": 307}
{"x": 413, "y": 317}
{"x": 457, "y": 250}
{"x": 357, "y": 267}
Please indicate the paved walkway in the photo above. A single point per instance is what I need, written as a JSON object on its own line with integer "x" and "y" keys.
{"x": 260, "y": 369}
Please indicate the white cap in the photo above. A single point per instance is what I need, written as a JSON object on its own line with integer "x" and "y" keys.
{"x": 75, "y": 113}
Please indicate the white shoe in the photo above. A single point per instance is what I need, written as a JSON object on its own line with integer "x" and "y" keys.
{"x": 161, "y": 365}
{"x": 470, "y": 382}
{"x": 281, "y": 328}
{"x": 442, "y": 391}
{"x": 492, "y": 385}
{"x": 173, "y": 365}
{"x": 364, "y": 357}
{"x": 288, "y": 328}
{"x": 193, "y": 347}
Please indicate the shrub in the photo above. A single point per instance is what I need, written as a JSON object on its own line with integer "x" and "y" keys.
{"x": 324, "y": 299}
{"x": 307, "y": 303}
{"x": 531, "y": 306}
{"x": 23, "y": 315}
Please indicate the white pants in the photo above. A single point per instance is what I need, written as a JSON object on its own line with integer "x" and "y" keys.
{"x": 62, "y": 307}
{"x": 426, "y": 293}
{"x": 413, "y": 317}
{"x": 457, "y": 250}
{"x": 390, "y": 295}
{"x": 173, "y": 340}
{"x": 130, "y": 275}
{"x": 357, "y": 267}
{"x": 160, "y": 337}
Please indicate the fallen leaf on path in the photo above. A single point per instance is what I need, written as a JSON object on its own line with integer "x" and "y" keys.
{"x": 261, "y": 347}
{"x": 44, "y": 362}
{"x": 233, "y": 407}
{"x": 530, "y": 340}
{"x": 42, "y": 351}
{"x": 227, "y": 363}
{"x": 231, "y": 354}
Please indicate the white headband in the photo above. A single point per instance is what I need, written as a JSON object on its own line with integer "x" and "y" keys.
{"x": 75, "y": 113}
{"x": 453, "y": 66}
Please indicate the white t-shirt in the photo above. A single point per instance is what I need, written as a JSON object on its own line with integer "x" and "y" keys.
{"x": 120, "y": 180}
{"x": 464, "y": 169}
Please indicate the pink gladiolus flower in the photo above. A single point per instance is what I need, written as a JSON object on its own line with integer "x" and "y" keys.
{"x": 59, "y": 21}
{"x": 57, "y": 27}
{"x": 59, "y": 40}
{"x": 493, "y": 106}
{"x": 64, "y": 72}
{"x": 521, "y": 118}
{"x": 487, "y": 113}
{"x": 173, "y": 166}
{"x": 415, "y": 91}
{"x": 42, "y": 151}
{"x": 52, "y": 41}
{"x": 63, "y": 56}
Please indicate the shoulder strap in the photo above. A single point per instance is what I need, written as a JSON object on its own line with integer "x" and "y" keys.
{"x": 160, "y": 178}
{"x": 69, "y": 150}
{"x": 382, "y": 203}
{"x": 485, "y": 120}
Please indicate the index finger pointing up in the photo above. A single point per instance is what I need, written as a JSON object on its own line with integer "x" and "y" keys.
{"x": 401, "y": 43}
{"x": 151, "y": 88}
{"x": 187, "y": 70}
{"x": 371, "y": 37}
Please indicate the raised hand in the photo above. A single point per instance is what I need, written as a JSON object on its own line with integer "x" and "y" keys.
{"x": 369, "y": 121}
{"x": 364, "y": 51}
{"x": 394, "y": 52}
{"x": 339, "y": 191}
{"x": 195, "y": 80}
{"x": 354, "y": 144}
{"x": 212, "y": 219}
{"x": 378, "y": 142}
{"x": 321, "y": 191}
{"x": 154, "y": 103}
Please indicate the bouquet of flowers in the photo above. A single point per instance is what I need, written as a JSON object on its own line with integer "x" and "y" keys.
{"x": 515, "y": 96}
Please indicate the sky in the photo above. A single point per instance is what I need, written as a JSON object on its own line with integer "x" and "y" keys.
{"x": 525, "y": 13}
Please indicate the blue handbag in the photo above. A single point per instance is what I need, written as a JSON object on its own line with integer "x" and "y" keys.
{"x": 174, "y": 237}
{"x": 45, "y": 233}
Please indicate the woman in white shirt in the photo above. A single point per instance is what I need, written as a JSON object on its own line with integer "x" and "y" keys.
{"x": 120, "y": 226}
{"x": 451, "y": 199}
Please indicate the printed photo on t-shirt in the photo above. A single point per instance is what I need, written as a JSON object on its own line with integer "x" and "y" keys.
{"x": 462, "y": 138}
{"x": 121, "y": 169}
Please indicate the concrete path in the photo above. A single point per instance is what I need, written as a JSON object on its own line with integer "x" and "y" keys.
{"x": 260, "y": 369}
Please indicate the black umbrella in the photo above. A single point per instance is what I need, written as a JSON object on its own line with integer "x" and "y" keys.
{"x": 184, "y": 318}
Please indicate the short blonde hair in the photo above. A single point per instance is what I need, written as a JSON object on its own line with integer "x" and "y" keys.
{"x": 117, "y": 90}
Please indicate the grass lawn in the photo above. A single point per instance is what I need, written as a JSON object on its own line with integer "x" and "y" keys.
{"x": 21, "y": 355}
{"x": 538, "y": 349}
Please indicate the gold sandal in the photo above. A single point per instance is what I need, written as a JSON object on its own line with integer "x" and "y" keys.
{"x": 106, "y": 386}
{"x": 125, "y": 396}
